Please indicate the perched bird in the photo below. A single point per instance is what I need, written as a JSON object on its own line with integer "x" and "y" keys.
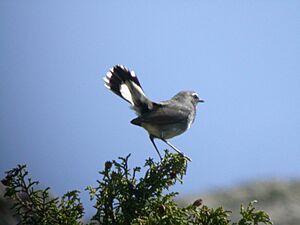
{"x": 162, "y": 120}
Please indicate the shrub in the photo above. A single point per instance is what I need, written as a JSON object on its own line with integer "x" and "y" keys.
{"x": 123, "y": 196}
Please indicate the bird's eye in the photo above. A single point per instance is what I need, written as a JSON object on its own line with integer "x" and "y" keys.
{"x": 195, "y": 96}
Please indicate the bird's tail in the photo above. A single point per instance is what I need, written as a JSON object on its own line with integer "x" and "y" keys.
{"x": 125, "y": 84}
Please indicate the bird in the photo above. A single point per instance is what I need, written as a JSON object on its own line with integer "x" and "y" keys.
{"x": 162, "y": 120}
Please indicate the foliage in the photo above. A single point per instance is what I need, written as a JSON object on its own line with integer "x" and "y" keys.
{"x": 123, "y": 196}
{"x": 35, "y": 206}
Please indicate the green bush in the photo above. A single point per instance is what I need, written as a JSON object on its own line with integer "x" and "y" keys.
{"x": 123, "y": 196}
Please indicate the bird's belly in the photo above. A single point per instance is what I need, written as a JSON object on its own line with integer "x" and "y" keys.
{"x": 164, "y": 131}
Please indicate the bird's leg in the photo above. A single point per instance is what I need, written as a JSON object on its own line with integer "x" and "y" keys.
{"x": 152, "y": 140}
{"x": 176, "y": 149}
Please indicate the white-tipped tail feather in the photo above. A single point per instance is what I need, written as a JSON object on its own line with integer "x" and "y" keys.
{"x": 125, "y": 84}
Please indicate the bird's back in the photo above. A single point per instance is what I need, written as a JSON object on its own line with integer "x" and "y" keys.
{"x": 165, "y": 120}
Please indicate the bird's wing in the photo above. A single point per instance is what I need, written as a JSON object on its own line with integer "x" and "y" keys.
{"x": 162, "y": 115}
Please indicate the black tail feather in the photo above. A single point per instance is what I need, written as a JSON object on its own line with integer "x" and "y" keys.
{"x": 125, "y": 84}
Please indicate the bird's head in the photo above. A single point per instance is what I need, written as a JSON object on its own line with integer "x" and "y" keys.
{"x": 189, "y": 96}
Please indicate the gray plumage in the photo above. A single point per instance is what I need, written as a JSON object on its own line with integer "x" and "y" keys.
{"x": 162, "y": 120}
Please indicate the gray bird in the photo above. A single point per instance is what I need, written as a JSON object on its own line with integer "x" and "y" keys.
{"x": 162, "y": 120}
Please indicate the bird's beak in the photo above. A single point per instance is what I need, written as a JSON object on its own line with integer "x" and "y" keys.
{"x": 201, "y": 100}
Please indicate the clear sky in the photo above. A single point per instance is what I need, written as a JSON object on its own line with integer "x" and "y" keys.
{"x": 242, "y": 57}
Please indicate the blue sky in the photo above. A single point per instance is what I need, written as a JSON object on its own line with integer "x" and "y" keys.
{"x": 242, "y": 57}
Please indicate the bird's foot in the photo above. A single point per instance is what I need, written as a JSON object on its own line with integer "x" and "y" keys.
{"x": 185, "y": 156}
